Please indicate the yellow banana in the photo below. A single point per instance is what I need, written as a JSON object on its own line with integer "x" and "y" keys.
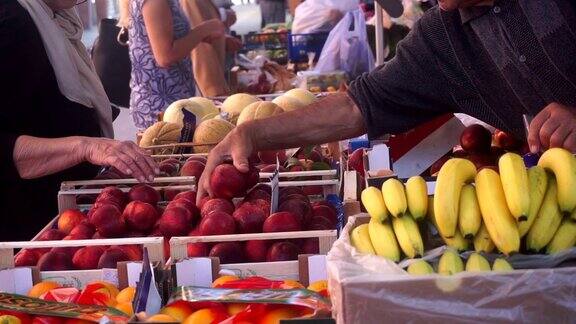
{"x": 469, "y": 216}
{"x": 360, "y": 239}
{"x": 408, "y": 235}
{"x": 501, "y": 265}
{"x": 417, "y": 197}
{"x": 373, "y": 201}
{"x": 482, "y": 240}
{"x": 538, "y": 180}
{"x": 565, "y": 237}
{"x": 563, "y": 164}
{"x": 547, "y": 221}
{"x": 394, "y": 197}
{"x": 476, "y": 263}
{"x": 419, "y": 268}
{"x": 458, "y": 241}
{"x": 500, "y": 223}
{"x": 452, "y": 176}
{"x": 383, "y": 240}
{"x": 515, "y": 182}
{"x": 450, "y": 263}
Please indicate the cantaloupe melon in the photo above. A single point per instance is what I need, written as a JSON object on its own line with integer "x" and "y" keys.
{"x": 305, "y": 96}
{"x": 288, "y": 103}
{"x": 211, "y": 132}
{"x": 208, "y": 106}
{"x": 161, "y": 133}
{"x": 259, "y": 110}
{"x": 234, "y": 105}
{"x": 174, "y": 114}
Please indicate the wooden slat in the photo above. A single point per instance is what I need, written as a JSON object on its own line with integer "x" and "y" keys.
{"x": 72, "y": 184}
{"x": 271, "y": 270}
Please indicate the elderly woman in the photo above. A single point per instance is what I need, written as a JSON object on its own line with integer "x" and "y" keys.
{"x": 56, "y": 121}
{"x": 160, "y": 44}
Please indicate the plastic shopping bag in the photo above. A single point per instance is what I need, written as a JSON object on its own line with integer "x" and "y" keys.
{"x": 314, "y": 16}
{"x": 347, "y": 47}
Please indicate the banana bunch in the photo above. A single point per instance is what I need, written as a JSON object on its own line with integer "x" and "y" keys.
{"x": 395, "y": 197}
{"x": 563, "y": 164}
{"x": 373, "y": 201}
{"x": 547, "y": 221}
{"x": 408, "y": 235}
{"x": 419, "y": 268}
{"x": 457, "y": 241}
{"x": 514, "y": 178}
{"x": 477, "y": 263}
{"x": 376, "y": 238}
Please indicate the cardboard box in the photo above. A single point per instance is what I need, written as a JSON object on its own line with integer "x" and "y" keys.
{"x": 371, "y": 289}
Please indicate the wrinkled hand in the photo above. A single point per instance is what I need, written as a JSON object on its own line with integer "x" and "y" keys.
{"x": 213, "y": 29}
{"x": 238, "y": 146}
{"x": 126, "y": 156}
{"x": 554, "y": 126}
{"x": 233, "y": 44}
{"x": 230, "y": 18}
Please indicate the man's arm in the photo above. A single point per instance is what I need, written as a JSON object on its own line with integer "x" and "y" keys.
{"x": 333, "y": 118}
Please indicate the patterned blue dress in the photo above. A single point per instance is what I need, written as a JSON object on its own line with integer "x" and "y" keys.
{"x": 153, "y": 87}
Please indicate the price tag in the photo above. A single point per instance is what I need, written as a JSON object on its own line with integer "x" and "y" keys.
{"x": 317, "y": 268}
{"x": 274, "y": 188}
{"x": 194, "y": 272}
{"x": 16, "y": 281}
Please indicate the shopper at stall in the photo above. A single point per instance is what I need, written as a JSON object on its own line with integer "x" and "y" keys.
{"x": 160, "y": 44}
{"x": 209, "y": 59}
{"x": 55, "y": 118}
{"x": 493, "y": 61}
{"x": 273, "y": 11}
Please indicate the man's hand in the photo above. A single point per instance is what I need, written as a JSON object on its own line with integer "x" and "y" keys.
{"x": 554, "y": 126}
{"x": 233, "y": 44}
{"x": 213, "y": 29}
{"x": 238, "y": 146}
{"x": 124, "y": 156}
{"x": 230, "y": 18}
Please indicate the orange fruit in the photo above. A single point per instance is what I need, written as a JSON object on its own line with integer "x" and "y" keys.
{"x": 223, "y": 279}
{"x": 126, "y": 308}
{"x": 318, "y": 286}
{"x": 161, "y": 318}
{"x": 207, "y": 315}
{"x": 9, "y": 319}
{"x": 274, "y": 317}
{"x": 126, "y": 295}
{"x": 113, "y": 289}
{"x": 41, "y": 288}
{"x": 178, "y": 310}
{"x": 292, "y": 284}
{"x": 234, "y": 309}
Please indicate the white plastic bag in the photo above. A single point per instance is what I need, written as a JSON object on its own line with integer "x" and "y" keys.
{"x": 317, "y": 15}
{"x": 347, "y": 47}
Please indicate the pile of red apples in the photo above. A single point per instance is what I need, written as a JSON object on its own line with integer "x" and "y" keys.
{"x": 238, "y": 205}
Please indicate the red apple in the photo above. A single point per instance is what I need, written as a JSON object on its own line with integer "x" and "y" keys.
{"x": 325, "y": 203}
{"x": 51, "y": 234}
{"x": 87, "y": 257}
{"x": 476, "y": 139}
{"x": 202, "y": 201}
{"x": 108, "y": 221}
{"x": 310, "y": 245}
{"x": 297, "y": 207}
{"x": 262, "y": 204}
{"x": 55, "y": 261}
{"x": 83, "y": 231}
{"x": 144, "y": 193}
{"x": 282, "y": 251}
{"x": 505, "y": 140}
{"x": 68, "y": 219}
{"x": 252, "y": 178}
{"x": 133, "y": 251}
{"x": 175, "y": 222}
{"x": 261, "y": 191}
{"x": 140, "y": 216}
{"x": 356, "y": 161}
{"x": 320, "y": 224}
{"x": 269, "y": 157}
{"x": 26, "y": 258}
{"x": 169, "y": 193}
{"x": 110, "y": 258}
{"x": 249, "y": 218}
{"x": 192, "y": 169}
{"x": 256, "y": 250}
{"x": 188, "y": 195}
{"x": 168, "y": 168}
{"x": 287, "y": 191}
{"x": 282, "y": 222}
{"x": 482, "y": 160}
{"x": 228, "y": 252}
{"x": 198, "y": 250}
{"x": 197, "y": 158}
{"x": 326, "y": 212}
{"x": 227, "y": 182}
{"x": 217, "y": 223}
{"x": 217, "y": 204}
{"x": 190, "y": 206}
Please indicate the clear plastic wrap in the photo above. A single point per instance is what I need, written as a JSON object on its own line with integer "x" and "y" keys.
{"x": 371, "y": 289}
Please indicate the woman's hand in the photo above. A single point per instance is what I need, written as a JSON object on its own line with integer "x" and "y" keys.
{"x": 211, "y": 30}
{"x": 233, "y": 44}
{"x": 124, "y": 156}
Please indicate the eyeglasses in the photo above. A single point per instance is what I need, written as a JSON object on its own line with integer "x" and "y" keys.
{"x": 79, "y": 2}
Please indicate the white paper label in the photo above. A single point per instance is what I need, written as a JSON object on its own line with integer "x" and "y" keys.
{"x": 317, "y": 268}
{"x": 16, "y": 281}
{"x": 194, "y": 272}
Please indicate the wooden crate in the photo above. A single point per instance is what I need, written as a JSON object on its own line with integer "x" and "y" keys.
{"x": 79, "y": 278}
{"x": 70, "y": 190}
{"x": 271, "y": 270}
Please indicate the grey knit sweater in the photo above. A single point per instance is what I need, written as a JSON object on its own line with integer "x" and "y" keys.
{"x": 494, "y": 63}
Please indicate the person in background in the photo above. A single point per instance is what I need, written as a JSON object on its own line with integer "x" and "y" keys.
{"x": 209, "y": 59}
{"x": 55, "y": 118}
{"x": 273, "y": 11}
{"x": 160, "y": 42}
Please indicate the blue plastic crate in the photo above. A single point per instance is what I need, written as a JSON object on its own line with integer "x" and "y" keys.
{"x": 299, "y": 45}
{"x": 268, "y": 41}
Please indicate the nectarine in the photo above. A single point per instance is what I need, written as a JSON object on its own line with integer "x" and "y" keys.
{"x": 192, "y": 169}
{"x": 144, "y": 193}
{"x": 228, "y": 252}
{"x": 68, "y": 219}
{"x": 26, "y": 258}
{"x": 55, "y": 261}
{"x": 227, "y": 182}
{"x": 83, "y": 231}
{"x": 282, "y": 251}
{"x": 217, "y": 223}
{"x": 249, "y": 218}
{"x": 87, "y": 257}
{"x": 282, "y": 222}
{"x": 257, "y": 250}
{"x": 140, "y": 216}
{"x": 300, "y": 208}
{"x": 175, "y": 221}
{"x": 111, "y": 257}
{"x": 217, "y": 204}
